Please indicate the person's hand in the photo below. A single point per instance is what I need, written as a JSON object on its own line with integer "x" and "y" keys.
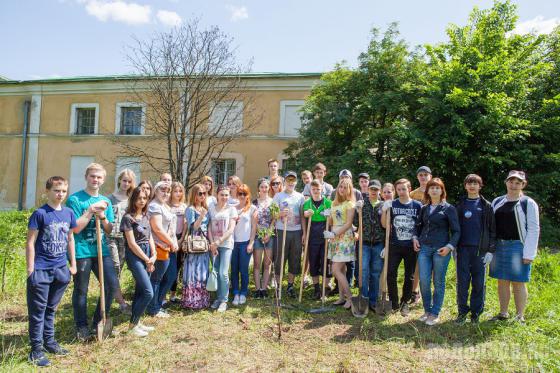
{"x": 382, "y": 254}
{"x": 527, "y": 261}
{"x": 487, "y": 258}
{"x": 152, "y": 259}
{"x": 359, "y": 204}
{"x": 416, "y": 244}
{"x": 308, "y": 213}
{"x": 249, "y": 248}
{"x": 328, "y": 235}
{"x": 214, "y": 248}
{"x": 150, "y": 267}
{"x": 303, "y": 239}
{"x": 326, "y": 212}
{"x": 94, "y": 208}
{"x": 336, "y": 232}
{"x": 174, "y": 247}
{"x": 73, "y": 269}
{"x": 265, "y": 239}
{"x": 443, "y": 251}
{"x": 386, "y": 205}
{"x": 284, "y": 213}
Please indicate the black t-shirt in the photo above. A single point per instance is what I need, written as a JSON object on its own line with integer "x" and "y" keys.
{"x": 506, "y": 225}
{"x": 140, "y": 228}
{"x": 317, "y": 203}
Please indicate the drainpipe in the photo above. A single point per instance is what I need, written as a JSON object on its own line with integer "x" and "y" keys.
{"x": 26, "y": 107}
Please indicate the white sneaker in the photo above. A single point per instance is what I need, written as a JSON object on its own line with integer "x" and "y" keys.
{"x": 137, "y": 331}
{"x": 242, "y": 299}
{"x": 146, "y": 328}
{"x": 216, "y": 304}
{"x": 432, "y": 320}
{"x": 424, "y": 317}
{"x": 162, "y": 315}
{"x": 235, "y": 300}
{"x": 222, "y": 307}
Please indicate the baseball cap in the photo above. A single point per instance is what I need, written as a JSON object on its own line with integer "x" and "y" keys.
{"x": 345, "y": 172}
{"x": 364, "y": 175}
{"x": 290, "y": 174}
{"x": 424, "y": 169}
{"x": 374, "y": 184}
{"x": 516, "y": 174}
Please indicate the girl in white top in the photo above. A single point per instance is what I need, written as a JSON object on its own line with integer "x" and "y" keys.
{"x": 178, "y": 207}
{"x": 222, "y": 224}
{"x": 234, "y": 183}
{"x": 208, "y": 182}
{"x": 244, "y": 237}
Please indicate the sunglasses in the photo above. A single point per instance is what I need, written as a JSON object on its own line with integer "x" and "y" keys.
{"x": 276, "y": 183}
{"x": 200, "y": 194}
{"x": 243, "y": 194}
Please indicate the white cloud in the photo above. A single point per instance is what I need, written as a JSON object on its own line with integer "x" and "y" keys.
{"x": 537, "y": 25}
{"x": 238, "y": 13}
{"x": 169, "y": 18}
{"x": 119, "y": 11}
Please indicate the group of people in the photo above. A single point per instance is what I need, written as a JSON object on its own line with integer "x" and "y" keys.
{"x": 205, "y": 240}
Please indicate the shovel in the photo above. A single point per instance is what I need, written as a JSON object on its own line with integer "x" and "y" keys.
{"x": 384, "y": 305}
{"x": 360, "y": 303}
{"x": 304, "y": 258}
{"x": 324, "y": 309}
{"x": 105, "y": 326}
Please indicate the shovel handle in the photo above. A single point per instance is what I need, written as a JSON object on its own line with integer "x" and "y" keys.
{"x": 282, "y": 259}
{"x": 305, "y": 258}
{"x": 383, "y": 283}
{"x": 325, "y": 265}
{"x": 100, "y": 266}
{"x": 361, "y": 249}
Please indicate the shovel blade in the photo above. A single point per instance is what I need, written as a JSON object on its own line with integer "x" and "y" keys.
{"x": 358, "y": 309}
{"x": 104, "y": 329}
{"x": 383, "y": 306}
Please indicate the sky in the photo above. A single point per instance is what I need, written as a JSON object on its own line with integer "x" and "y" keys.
{"x": 61, "y": 38}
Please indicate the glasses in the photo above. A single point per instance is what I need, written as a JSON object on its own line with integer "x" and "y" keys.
{"x": 276, "y": 183}
{"x": 200, "y": 194}
{"x": 242, "y": 194}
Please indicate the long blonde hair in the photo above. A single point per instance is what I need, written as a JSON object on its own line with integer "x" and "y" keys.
{"x": 177, "y": 185}
{"x": 193, "y": 193}
{"x": 129, "y": 173}
{"x": 348, "y": 196}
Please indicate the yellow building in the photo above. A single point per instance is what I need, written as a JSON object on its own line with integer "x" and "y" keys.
{"x": 70, "y": 122}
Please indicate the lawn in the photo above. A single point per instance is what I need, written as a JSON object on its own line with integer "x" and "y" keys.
{"x": 246, "y": 338}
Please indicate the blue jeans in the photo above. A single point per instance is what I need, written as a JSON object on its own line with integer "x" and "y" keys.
{"x": 240, "y": 264}
{"x": 372, "y": 265}
{"x": 221, "y": 264}
{"x": 143, "y": 292}
{"x": 45, "y": 288}
{"x": 81, "y": 283}
{"x": 470, "y": 270}
{"x": 429, "y": 260}
{"x": 169, "y": 277}
{"x": 155, "y": 279}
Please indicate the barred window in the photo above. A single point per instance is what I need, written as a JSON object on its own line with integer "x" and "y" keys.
{"x": 85, "y": 121}
{"x": 131, "y": 121}
{"x": 222, "y": 169}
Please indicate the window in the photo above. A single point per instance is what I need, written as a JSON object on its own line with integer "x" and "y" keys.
{"x": 130, "y": 118}
{"x": 132, "y": 163}
{"x": 290, "y": 117}
{"x": 84, "y": 119}
{"x": 222, "y": 169}
{"x": 226, "y": 118}
{"x": 78, "y": 165}
{"x": 287, "y": 165}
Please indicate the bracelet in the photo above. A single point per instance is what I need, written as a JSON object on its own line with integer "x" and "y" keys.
{"x": 103, "y": 218}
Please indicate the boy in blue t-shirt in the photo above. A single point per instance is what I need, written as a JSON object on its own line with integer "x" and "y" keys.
{"x": 50, "y": 243}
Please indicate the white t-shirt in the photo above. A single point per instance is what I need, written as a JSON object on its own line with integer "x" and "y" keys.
{"x": 243, "y": 227}
{"x": 293, "y": 202}
{"x": 168, "y": 221}
{"x": 219, "y": 223}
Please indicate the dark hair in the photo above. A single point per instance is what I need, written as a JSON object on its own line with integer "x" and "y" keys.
{"x": 405, "y": 182}
{"x": 55, "y": 179}
{"x": 473, "y": 178}
{"x": 131, "y": 209}
{"x": 221, "y": 187}
{"x": 435, "y": 182}
{"x": 148, "y": 183}
{"x": 319, "y": 166}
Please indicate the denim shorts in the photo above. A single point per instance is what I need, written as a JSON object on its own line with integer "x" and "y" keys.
{"x": 507, "y": 263}
{"x": 259, "y": 245}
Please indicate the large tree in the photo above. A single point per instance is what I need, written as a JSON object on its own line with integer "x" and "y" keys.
{"x": 197, "y": 102}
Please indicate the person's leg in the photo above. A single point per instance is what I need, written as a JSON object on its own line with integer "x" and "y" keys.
{"x": 110, "y": 285}
{"x": 277, "y": 258}
{"x": 376, "y": 267}
{"x": 463, "y": 279}
{"x": 169, "y": 277}
{"x": 79, "y": 294}
{"x": 267, "y": 263}
{"x": 504, "y": 294}
{"x": 244, "y": 259}
{"x": 257, "y": 265}
{"x": 38, "y": 284}
{"x": 367, "y": 267}
{"x": 294, "y": 256}
{"x": 440, "y": 271}
{"x": 416, "y": 282}
{"x": 409, "y": 257}
{"x": 223, "y": 273}
{"x": 179, "y": 266}
{"x": 143, "y": 293}
{"x": 155, "y": 281}
{"x": 425, "y": 263}
{"x": 520, "y": 296}
{"x": 235, "y": 261}
{"x": 395, "y": 257}
{"x": 478, "y": 290}
{"x": 339, "y": 269}
{"x": 60, "y": 280}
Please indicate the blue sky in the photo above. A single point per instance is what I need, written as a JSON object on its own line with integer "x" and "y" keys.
{"x": 54, "y": 38}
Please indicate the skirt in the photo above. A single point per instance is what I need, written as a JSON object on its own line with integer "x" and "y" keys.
{"x": 195, "y": 274}
{"x": 507, "y": 263}
{"x": 342, "y": 248}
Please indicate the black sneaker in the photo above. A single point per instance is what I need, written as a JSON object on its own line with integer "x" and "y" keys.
{"x": 475, "y": 319}
{"x": 39, "y": 359}
{"x": 317, "y": 293}
{"x": 291, "y": 291}
{"x": 500, "y": 317}
{"x": 83, "y": 334}
{"x": 264, "y": 293}
{"x": 56, "y": 349}
{"x": 257, "y": 294}
{"x": 405, "y": 311}
{"x": 415, "y": 299}
{"x": 461, "y": 318}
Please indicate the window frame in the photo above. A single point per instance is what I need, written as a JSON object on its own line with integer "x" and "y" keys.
{"x": 213, "y": 169}
{"x": 74, "y": 118}
{"x": 282, "y": 124}
{"x": 118, "y": 117}
{"x": 238, "y": 105}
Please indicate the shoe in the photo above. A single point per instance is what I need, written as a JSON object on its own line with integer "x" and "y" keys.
{"x": 518, "y": 319}
{"x": 339, "y": 302}
{"x": 372, "y": 307}
{"x": 175, "y": 299}
{"x": 291, "y": 291}
{"x": 424, "y": 317}
{"x": 415, "y": 299}
{"x": 137, "y": 331}
{"x": 405, "y": 311}
{"x": 317, "y": 293}
{"x": 162, "y": 314}
{"x": 56, "y": 349}
{"x": 257, "y": 294}
{"x": 347, "y": 305}
{"x": 83, "y": 334}
{"x": 235, "y": 300}
{"x": 474, "y": 319}
{"x": 461, "y": 319}
{"x": 222, "y": 307}
{"x": 264, "y": 293}
{"x": 432, "y": 320}
{"x": 215, "y": 305}
{"x": 242, "y": 299}
{"x": 39, "y": 359}
{"x": 500, "y": 317}
{"x": 306, "y": 281}
{"x": 146, "y": 328}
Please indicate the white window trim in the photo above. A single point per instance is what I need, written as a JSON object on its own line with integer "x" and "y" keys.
{"x": 282, "y": 125}
{"x": 118, "y": 116}
{"x": 239, "y": 161}
{"x": 74, "y": 117}
{"x": 234, "y": 103}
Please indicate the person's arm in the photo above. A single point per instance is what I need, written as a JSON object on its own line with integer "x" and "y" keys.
{"x": 454, "y": 228}
{"x": 418, "y": 227}
{"x": 253, "y": 232}
{"x": 30, "y": 250}
{"x": 533, "y": 232}
{"x": 106, "y": 218}
{"x": 347, "y": 225}
{"x": 133, "y": 246}
{"x": 157, "y": 229}
{"x": 72, "y": 252}
{"x": 492, "y": 229}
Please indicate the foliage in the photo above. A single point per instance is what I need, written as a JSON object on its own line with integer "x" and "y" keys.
{"x": 13, "y": 232}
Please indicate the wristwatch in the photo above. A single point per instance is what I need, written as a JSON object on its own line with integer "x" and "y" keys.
{"x": 103, "y": 218}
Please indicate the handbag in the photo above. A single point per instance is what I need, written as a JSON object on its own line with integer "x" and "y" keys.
{"x": 212, "y": 281}
{"x": 162, "y": 252}
{"x": 195, "y": 244}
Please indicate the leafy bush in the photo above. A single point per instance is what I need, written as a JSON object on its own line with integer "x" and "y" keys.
{"x": 13, "y": 232}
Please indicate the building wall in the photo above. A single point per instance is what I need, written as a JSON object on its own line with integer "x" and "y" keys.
{"x": 51, "y": 145}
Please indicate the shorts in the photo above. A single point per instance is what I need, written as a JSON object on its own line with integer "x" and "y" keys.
{"x": 292, "y": 252}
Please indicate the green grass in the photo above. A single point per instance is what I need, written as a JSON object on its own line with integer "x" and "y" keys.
{"x": 246, "y": 338}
